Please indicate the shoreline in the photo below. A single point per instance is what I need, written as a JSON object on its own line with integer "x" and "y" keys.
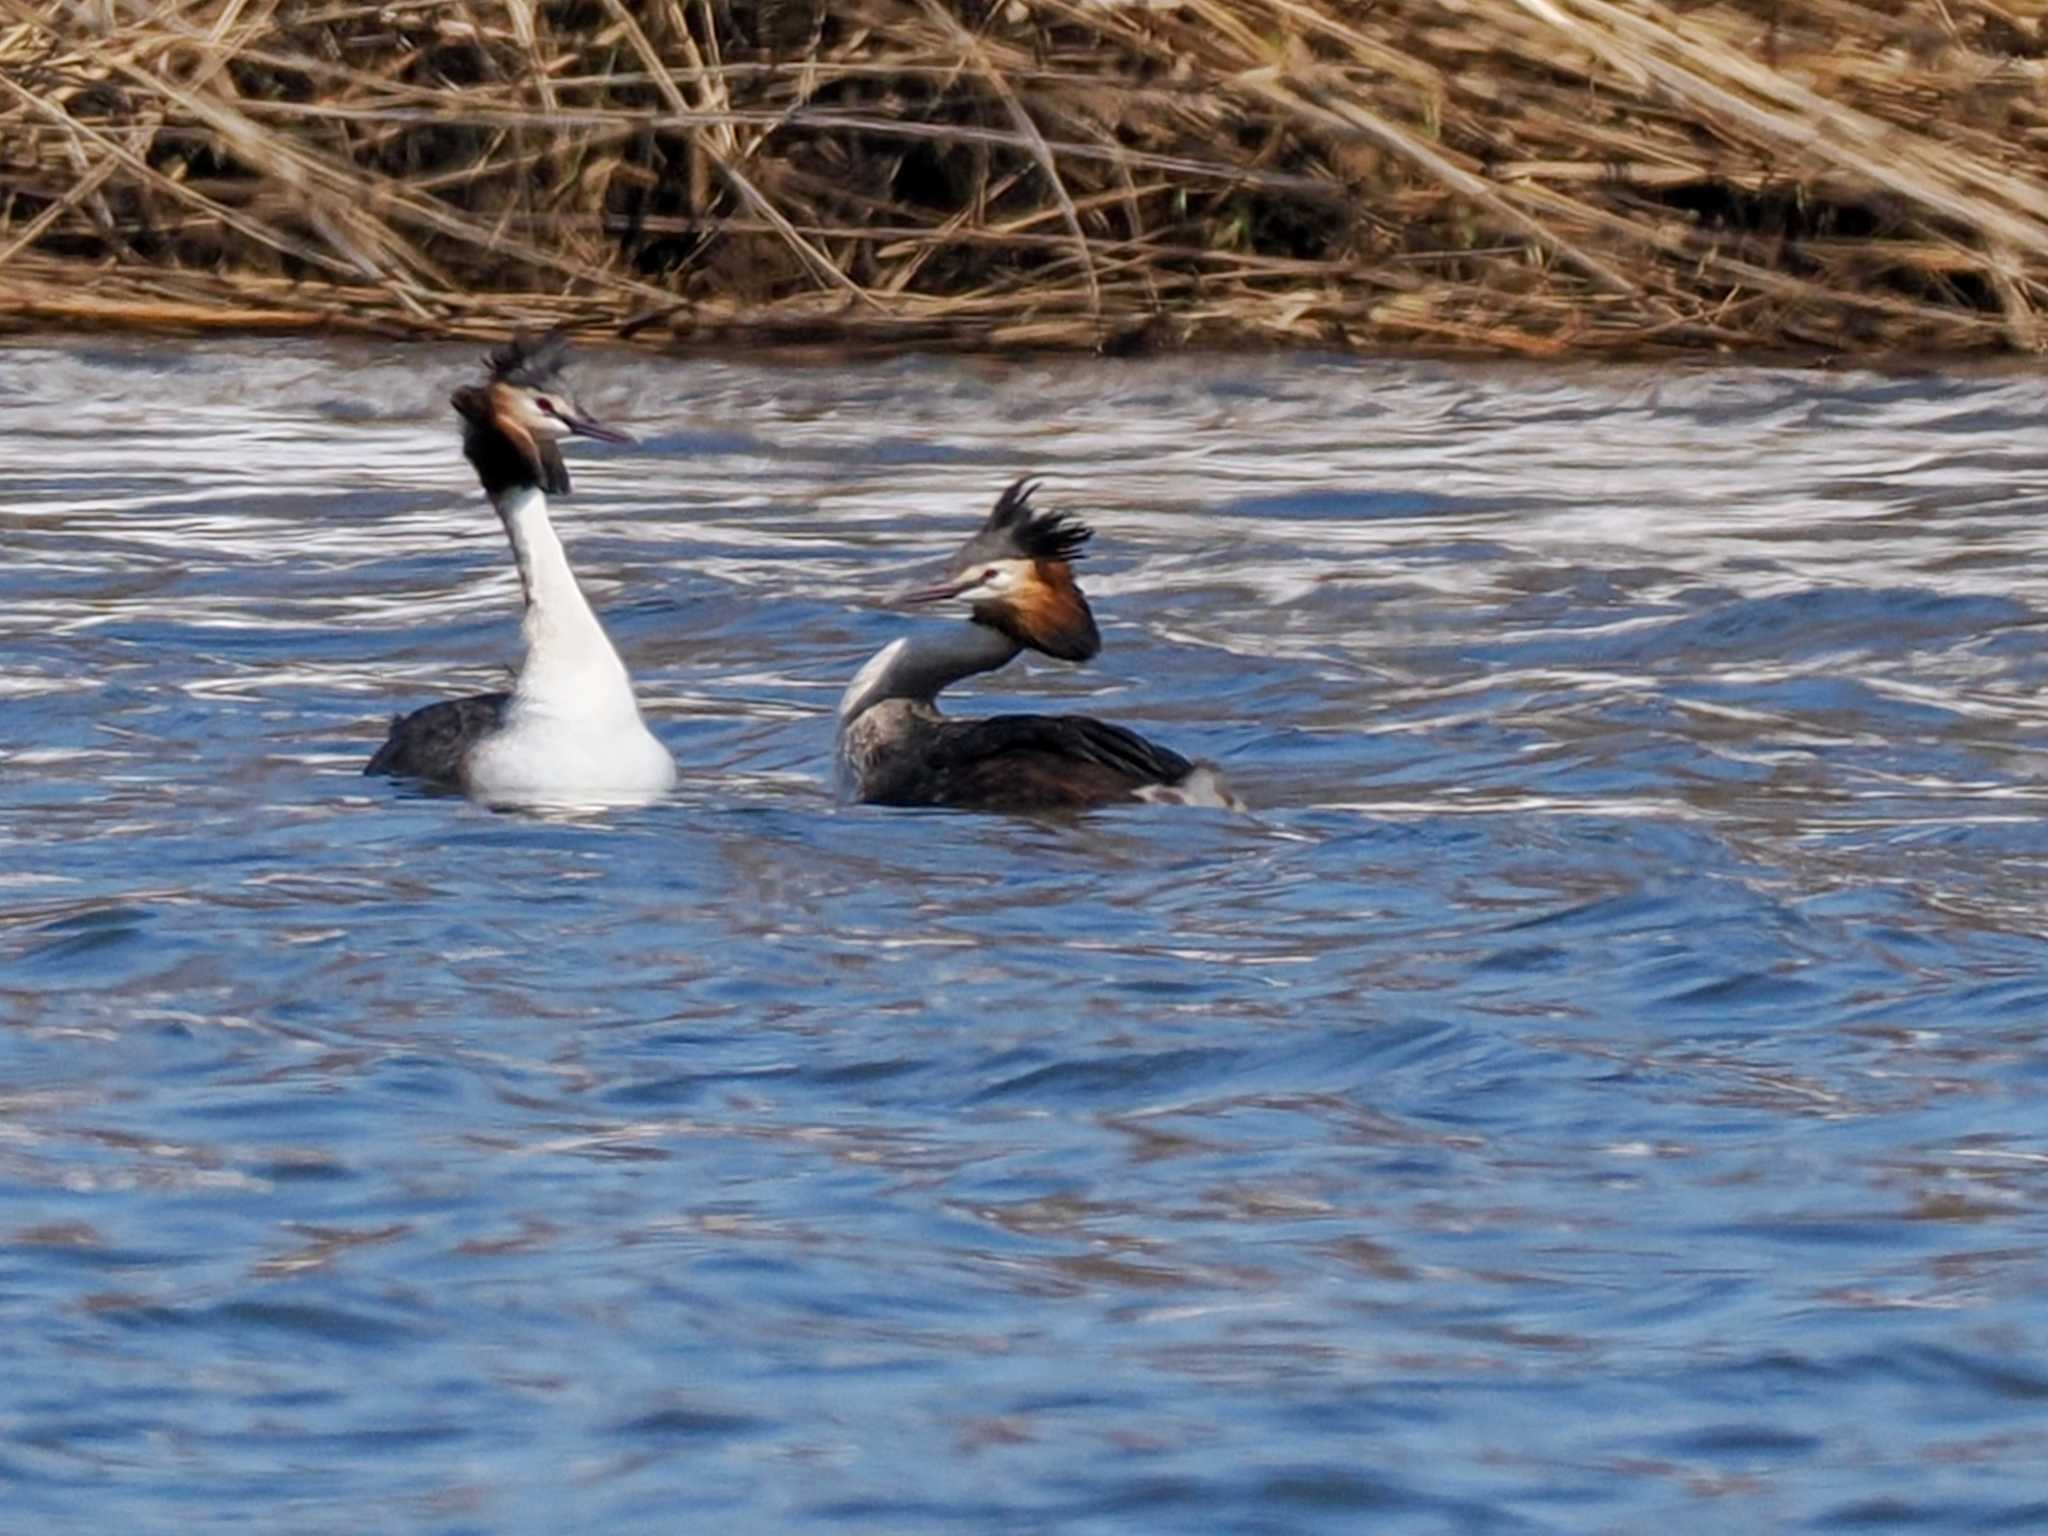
{"x": 784, "y": 347}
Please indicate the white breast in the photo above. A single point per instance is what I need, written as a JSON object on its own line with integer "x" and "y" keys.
{"x": 550, "y": 756}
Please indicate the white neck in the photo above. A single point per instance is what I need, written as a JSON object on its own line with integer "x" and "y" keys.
{"x": 917, "y": 666}
{"x": 570, "y": 665}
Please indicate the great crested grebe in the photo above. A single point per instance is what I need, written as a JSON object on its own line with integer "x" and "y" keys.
{"x": 895, "y": 748}
{"x": 570, "y": 727}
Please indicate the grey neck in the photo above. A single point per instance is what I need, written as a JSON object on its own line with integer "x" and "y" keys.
{"x": 918, "y": 666}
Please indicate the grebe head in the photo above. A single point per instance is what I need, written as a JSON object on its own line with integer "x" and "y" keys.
{"x": 514, "y": 419}
{"x": 1017, "y": 577}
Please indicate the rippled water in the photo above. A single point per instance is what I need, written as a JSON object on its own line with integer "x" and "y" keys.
{"x": 1602, "y": 1087}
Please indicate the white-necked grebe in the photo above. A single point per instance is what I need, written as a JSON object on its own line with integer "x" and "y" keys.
{"x": 570, "y": 727}
{"x": 1016, "y": 577}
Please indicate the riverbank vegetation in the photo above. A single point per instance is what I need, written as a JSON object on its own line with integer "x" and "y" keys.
{"x": 1546, "y": 177}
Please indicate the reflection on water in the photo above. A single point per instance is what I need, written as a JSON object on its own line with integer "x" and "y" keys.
{"x": 1602, "y": 1085}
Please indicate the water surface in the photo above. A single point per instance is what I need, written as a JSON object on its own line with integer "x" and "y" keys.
{"x": 1600, "y": 1088}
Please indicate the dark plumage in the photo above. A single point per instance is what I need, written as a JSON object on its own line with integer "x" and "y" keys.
{"x": 1015, "y": 530}
{"x": 431, "y": 743}
{"x": 1023, "y": 763}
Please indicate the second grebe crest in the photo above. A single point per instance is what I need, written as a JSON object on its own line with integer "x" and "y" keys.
{"x": 513, "y": 420}
{"x": 1017, "y": 575}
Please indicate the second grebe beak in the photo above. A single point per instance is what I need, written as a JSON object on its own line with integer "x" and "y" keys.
{"x": 937, "y": 592}
{"x": 583, "y": 426}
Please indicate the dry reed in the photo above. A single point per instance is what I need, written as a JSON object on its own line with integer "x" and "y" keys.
{"x": 1509, "y": 176}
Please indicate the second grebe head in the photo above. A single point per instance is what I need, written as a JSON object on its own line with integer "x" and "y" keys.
{"x": 513, "y": 420}
{"x": 1016, "y": 574}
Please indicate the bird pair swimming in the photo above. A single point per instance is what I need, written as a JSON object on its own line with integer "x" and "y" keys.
{"x": 570, "y": 727}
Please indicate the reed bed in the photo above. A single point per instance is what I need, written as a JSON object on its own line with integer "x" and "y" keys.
{"x": 1503, "y": 176}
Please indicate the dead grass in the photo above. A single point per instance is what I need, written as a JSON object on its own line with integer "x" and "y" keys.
{"x": 1505, "y": 176}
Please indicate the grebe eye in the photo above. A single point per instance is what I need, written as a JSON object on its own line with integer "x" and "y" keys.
{"x": 545, "y": 404}
{"x": 989, "y": 574}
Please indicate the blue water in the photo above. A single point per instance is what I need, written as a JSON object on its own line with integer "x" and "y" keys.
{"x": 1600, "y": 1089}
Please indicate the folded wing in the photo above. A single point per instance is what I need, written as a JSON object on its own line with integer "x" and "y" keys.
{"x": 1037, "y": 762}
{"x": 431, "y": 743}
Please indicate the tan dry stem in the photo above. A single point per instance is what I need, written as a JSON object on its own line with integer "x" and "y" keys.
{"x": 1525, "y": 177}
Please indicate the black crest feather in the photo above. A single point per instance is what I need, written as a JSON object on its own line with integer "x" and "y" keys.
{"x": 1016, "y": 530}
{"x": 528, "y": 360}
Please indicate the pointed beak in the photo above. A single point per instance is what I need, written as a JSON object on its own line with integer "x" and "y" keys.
{"x": 583, "y": 426}
{"x": 937, "y": 592}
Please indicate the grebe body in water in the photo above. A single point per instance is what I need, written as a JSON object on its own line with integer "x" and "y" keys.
{"x": 896, "y": 748}
{"x": 570, "y": 728}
